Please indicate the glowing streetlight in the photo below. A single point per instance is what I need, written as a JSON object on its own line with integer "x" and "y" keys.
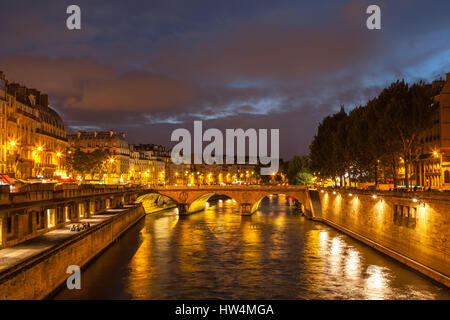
{"x": 12, "y": 143}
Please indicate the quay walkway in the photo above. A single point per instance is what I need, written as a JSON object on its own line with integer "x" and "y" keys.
{"x": 13, "y": 256}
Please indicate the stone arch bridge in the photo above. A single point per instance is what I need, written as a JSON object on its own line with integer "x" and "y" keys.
{"x": 193, "y": 199}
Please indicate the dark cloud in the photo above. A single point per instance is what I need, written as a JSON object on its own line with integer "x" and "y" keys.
{"x": 85, "y": 83}
{"x": 147, "y": 67}
{"x": 245, "y": 109}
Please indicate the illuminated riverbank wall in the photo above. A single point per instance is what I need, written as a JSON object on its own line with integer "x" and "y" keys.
{"x": 413, "y": 228}
{"x": 38, "y": 276}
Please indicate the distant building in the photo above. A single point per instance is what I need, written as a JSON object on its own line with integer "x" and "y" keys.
{"x": 159, "y": 159}
{"x": 433, "y": 168}
{"x": 111, "y": 141}
{"x": 212, "y": 174}
{"x": 33, "y": 139}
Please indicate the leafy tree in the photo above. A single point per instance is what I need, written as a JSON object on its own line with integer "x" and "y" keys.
{"x": 298, "y": 165}
{"x": 83, "y": 163}
{"x": 372, "y": 138}
{"x": 328, "y": 159}
{"x": 358, "y": 144}
{"x": 303, "y": 178}
{"x": 408, "y": 112}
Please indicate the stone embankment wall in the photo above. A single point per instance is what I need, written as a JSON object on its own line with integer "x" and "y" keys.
{"x": 39, "y": 276}
{"x": 413, "y": 228}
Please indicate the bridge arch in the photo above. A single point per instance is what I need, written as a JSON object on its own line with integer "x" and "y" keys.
{"x": 256, "y": 204}
{"x": 200, "y": 203}
{"x": 154, "y": 201}
{"x": 248, "y": 197}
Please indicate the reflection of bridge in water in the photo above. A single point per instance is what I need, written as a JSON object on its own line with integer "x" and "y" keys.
{"x": 193, "y": 199}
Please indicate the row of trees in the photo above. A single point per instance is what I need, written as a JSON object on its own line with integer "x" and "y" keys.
{"x": 385, "y": 133}
{"x": 297, "y": 171}
{"x": 94, "y": 163}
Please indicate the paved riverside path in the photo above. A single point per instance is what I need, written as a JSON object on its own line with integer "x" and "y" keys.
{"x": 14, "y": 255}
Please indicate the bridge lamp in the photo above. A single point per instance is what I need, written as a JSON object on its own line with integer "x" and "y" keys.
{"x": 39, "y": 148}
{"x": 111, "y": 160}
{"x": 334, "y": 192}
{"x": 374, "y": 196}
{"x": 322, "y": 191}
{"x": 58, "y": 154}
{"x": 350, "y": 194}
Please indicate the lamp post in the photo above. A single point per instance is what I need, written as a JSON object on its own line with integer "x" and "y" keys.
{"x": 111, "y": 164}
{"x": 12, "y": 157}
{"x": 58, "y": 155}
{"x": 438, "y": 155}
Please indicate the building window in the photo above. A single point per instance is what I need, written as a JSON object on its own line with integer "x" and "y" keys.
{"x": 9, "y": 225}
{"x": 446, "y": 176}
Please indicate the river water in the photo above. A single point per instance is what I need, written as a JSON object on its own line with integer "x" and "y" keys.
{"x": 274, "y": 254}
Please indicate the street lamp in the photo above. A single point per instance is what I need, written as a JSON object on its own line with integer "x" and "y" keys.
{"x": 438, "y": 155}
{"x": 12, "y": 156}
{"x": 58, "y": 155}
{"x": 111, "y": 161}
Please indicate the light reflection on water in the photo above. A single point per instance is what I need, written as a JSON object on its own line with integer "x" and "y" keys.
{"x": 273, "y": 254}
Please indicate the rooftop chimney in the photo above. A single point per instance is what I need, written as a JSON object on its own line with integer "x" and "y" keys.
{"x": 44, "y": 100}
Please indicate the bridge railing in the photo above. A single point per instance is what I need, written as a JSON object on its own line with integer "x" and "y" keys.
{"x": 49, "y": 191}
{"x": 230, "y": 187}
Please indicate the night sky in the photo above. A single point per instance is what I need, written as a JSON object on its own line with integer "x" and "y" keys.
{"x": 148, "y": 67}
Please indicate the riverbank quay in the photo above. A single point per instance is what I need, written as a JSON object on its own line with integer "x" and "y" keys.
{"x": 35, "y": 268}
{"x": 411, "y": 227}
